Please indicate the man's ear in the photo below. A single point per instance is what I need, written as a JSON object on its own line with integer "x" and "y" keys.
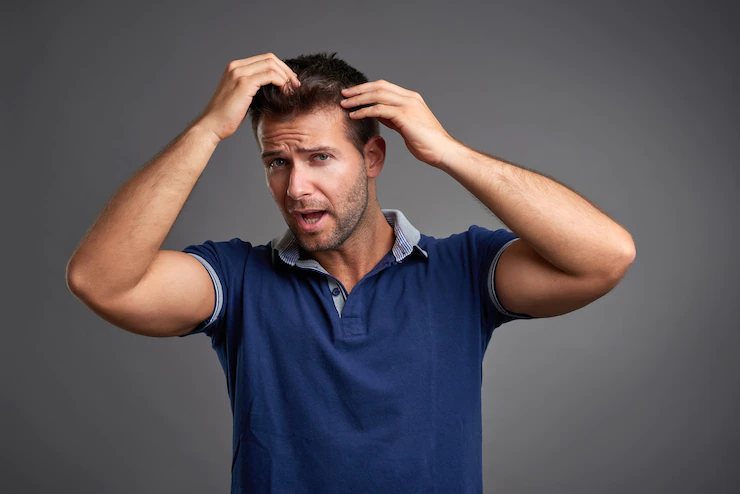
{"x": 374, "y": 152}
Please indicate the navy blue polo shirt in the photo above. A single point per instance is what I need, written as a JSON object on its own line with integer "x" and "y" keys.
{"x": 378, "y": 391}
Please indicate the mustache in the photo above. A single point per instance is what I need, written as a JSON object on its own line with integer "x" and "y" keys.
{"x": 306, "y": 205}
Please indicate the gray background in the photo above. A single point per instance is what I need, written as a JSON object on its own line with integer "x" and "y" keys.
{"x": 634, "y": 105}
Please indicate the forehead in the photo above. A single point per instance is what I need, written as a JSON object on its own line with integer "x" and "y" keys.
{"x": 325, "y": 124}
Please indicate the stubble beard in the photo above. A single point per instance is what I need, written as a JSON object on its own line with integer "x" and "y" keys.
{"x": 347, "y": 221}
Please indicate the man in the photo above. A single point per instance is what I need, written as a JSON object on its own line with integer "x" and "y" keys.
{"x": 352, "y": 344}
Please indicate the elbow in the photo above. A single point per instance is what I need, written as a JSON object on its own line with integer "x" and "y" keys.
{"x": 75, "y": 282}
{"x": 621, "y": 263}
{"x": 629, "y": 252}
{"x": 71, "y": 277}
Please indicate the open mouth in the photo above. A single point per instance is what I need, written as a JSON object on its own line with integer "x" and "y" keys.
{"x": 311, "y": 221}
{"x": 313, "y": 217}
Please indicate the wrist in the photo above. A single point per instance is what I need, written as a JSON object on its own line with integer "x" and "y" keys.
{"x": 201, "y": 129}
{"x": 455, "y": 153}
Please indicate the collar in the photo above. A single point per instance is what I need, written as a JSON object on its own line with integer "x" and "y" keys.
{"x": 407, "y": 240}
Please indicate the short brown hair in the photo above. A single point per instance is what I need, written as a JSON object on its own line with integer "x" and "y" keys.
{"x": 322, "y": 76}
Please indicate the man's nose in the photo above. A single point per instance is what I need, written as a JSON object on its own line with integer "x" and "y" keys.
{"x": 300, "y": 181}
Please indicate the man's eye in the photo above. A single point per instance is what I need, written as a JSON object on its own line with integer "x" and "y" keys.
{"x": 322, "y": 156}
{"x": 277, "y": 162}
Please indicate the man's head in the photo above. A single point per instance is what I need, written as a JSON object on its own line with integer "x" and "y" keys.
{"x": 320, "y": 165}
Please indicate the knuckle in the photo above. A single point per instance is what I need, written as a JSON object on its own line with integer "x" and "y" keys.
{"x": 276, "y": 66}
{"x": 235, "y": 74}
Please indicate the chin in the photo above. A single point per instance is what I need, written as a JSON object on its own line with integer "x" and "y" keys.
{"x": 312, "y": 244}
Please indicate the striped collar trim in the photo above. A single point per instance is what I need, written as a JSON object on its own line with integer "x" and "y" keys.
{"x": 407, "y": 239}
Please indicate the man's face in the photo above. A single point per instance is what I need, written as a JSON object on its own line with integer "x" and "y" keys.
{"x": 316, "y": 176}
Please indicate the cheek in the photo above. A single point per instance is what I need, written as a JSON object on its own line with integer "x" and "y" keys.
{"x": 274, "y": 185}
{"x": 339, "y": 182}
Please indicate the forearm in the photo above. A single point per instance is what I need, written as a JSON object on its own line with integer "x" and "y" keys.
{"x": 563, "y": 227}
{"x": 129, "y": 231}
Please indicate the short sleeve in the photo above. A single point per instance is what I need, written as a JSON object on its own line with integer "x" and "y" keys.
{"x": 224, "y": 262}
{"x": 490, "y": 245}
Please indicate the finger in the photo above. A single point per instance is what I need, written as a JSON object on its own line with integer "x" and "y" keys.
{"x": 268, "y": 76}
{"x": 263, "y": 65}
{"x": 382, "y": 96}
{"x": 294, "y": 76}
{"x": 374, "y": 85}
{"x": 377, "y": 111}
{"x": 388, "y": 124}
{"x": 266, "y": 58}
{"x": 234, "y": 64}
{"x": 278, "y": 64}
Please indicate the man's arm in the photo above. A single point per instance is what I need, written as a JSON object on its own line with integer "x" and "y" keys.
{"x": 118, "y": 270}
{"x": 569, "y": 253}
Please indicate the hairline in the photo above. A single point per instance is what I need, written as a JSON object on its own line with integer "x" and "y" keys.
{"x": 346, "y": 121}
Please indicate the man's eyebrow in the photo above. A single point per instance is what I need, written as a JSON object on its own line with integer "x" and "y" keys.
{"x": 267, "y": 154}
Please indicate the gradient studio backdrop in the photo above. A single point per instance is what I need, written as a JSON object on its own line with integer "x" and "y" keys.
{"x": 634, "y": 106}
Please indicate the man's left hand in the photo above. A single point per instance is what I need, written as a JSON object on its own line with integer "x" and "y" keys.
{"x": 405, "y": 112}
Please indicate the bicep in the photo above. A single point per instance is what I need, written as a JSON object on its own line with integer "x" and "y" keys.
{"x": 174, "y": 296}
{"x": 526, "y": 283}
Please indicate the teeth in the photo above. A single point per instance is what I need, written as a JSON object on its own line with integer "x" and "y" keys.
{"x": 315, "y": 217}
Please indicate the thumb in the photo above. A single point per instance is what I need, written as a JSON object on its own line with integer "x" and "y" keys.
{"x": 388, "y": 124}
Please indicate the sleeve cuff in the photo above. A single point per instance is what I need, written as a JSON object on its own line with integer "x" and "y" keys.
{"x": 492, "y": 284}
{"x": 219, "y": 293}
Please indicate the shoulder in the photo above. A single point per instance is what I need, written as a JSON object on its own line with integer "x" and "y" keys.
{"x": 230, "y": 255}
{"x": 475, "y": 242}
{"x": 226, "y": 249}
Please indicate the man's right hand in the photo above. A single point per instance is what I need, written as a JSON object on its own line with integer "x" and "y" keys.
{"x": 239, "y": 83}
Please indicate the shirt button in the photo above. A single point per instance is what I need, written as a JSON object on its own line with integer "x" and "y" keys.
{"x": 335, "y": 292}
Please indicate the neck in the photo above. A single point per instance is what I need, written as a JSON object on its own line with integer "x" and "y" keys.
{"x": 359, "y": 254}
